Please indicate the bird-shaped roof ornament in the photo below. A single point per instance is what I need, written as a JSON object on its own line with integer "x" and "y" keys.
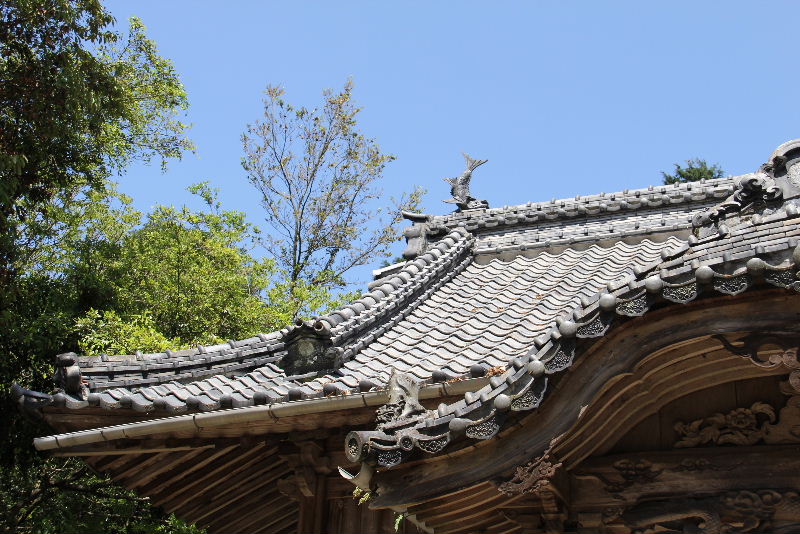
{"x": 459, "y": 187}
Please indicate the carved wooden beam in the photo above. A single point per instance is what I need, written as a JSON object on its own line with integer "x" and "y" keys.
{"x": 623, "y": 480}
{"x": 762, "y": 510}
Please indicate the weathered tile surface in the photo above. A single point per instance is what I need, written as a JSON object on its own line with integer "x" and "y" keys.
{"x": 480, "y": 295}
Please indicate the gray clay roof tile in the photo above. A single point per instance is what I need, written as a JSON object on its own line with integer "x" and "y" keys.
{"x": 459, "y": 304}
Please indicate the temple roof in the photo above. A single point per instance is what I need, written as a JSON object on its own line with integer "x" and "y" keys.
{"x": 510, "y": 339}
{"x": 486, "y": 283}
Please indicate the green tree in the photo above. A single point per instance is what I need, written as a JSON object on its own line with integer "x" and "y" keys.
{"x": 109, "y": 279}
{"x": 54, "y": 288}
{"x": 319, "y": 179}
{"x": 694, "y": 171}
{"x": 78, "y": 102}
{"x": 191, "y": 271}
{"x": 184, "y": 278}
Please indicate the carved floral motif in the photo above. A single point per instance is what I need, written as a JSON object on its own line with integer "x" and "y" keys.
{"x": 594, "y": 328}
{"x": 733, "y": 285}
{"x": 532, "y": 477}
{"x": 634, "y": 307}
{"x": 560, "y": 361}
{"x": 745, "y": 426}
{"x": 680, "y": 293}
{"x": 632, "y": 472}
{"x": 758, "y": 504}
{"x": 785, "y": 278}
{"x": 787, "y": 430}
{"x": 742, "y": 426}
{"x": 699, "y": 464}
{"x": 638, "y": 471}
{"x": 484, "y": 430}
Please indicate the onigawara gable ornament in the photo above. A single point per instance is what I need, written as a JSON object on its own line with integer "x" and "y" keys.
{"x": 459, "y": 187}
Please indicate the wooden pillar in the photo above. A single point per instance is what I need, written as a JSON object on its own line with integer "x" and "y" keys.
{"x": 335, "y": 508}
{"x": 350, "y": 520}
{"x": 308, "y": 485}
{"x": 321, "y": 505}
{"x": 590, "y": 523}
{"x": 385, "y": 521}
{"x": 553, "y": 515}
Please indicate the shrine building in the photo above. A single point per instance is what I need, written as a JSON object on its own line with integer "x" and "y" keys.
{"x": 615, "y": 363}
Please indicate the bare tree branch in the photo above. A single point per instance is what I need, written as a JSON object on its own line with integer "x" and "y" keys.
{"x": 319, "y": 177}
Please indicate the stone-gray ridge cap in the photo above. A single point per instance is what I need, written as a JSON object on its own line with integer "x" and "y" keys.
{"x": 631, "y": 215}
{"x": 591, "y": 205}
{"x": 104, "y": 371}
{"x": 629, "y": 226}
{"x": 758, "y": 250}
{"x": 390, "y": 292}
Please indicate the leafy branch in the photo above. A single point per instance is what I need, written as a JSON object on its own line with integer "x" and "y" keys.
{"x": 318, "y": 177}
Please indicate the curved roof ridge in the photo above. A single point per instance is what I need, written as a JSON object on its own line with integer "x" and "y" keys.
{"x": 653, "y": 196}
{"x": 186, "y": 365}
{"x": 170, "y": 356}
{"x": 396, "y": 289}
{"x": 140, "y": 370}
{"x": 568, "y": 251}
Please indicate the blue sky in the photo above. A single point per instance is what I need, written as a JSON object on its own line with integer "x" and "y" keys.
{"x": 562, "y": 98}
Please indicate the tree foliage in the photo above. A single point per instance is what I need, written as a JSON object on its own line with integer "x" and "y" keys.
{"x": 181, "y": 278}
{"x": 66, "y": 497}
{"x": 319, "y": 177}
{"x": 191, "y": 272}
{"x": 108, "y": 279}
{"x": 81, "y": 270}
{"x": 694, "y": 171}
{"x": 56, "y": 292}
{"x": 78, "y": 102}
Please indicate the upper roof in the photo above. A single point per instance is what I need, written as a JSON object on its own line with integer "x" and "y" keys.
{"x": 750, "y": 239}
{"x": 479, "y": 287}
